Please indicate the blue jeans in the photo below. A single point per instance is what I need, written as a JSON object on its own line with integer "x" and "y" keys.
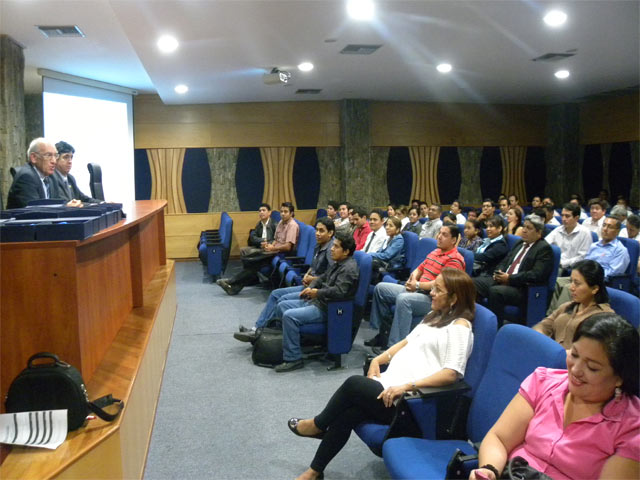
{"x": 408, "y": 305}
{"x": 268, "y": 312}
{"x": 295, "y": 313}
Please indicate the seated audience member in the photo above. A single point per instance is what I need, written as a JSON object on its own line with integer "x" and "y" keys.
{"x": 65, "y": 182}
{"x": 378, "y": 236}
{"x": 402, "y": 213}
{"x": 431, "y": 227}
{"x": 424, "y": 210}
{"x": 571, "y": 238}
{"x": 603, "y": 196}
{"x": 633, "y": 228}
{"x": 412, "y": 299}
{"x": 350, "y": 227}
{"x": 339, "y": 282}
{"x": 391, "y": 210}
{"x": 449, "y": 219}
{"x": 621, "y": 213}
{"x": 361, "y": 223}
{"x": 503, "y": 206}
{"x": 536, "y": 202}
{"x": 488, "y": 211}
{"x": 322, "y": 260}
{"x": 343, "y": 215}
{"x": 597, "y": 210}
{"x": 609, "y": 252}
{"x": 529, "y": 262}
{"x": 582, "y": 422}
{"x": 332, "y": 210}
{"x": 549, "y": 215}
{"x": 414, "y": 224}
{"x": 262, "y": 233}
{"x": 456, "y": 209}
{"x": 434, "y": 354}
{"x": 623, "y": 201}
{"x": 514, "y": 221}
{"x": 34, "y": 180}
{"x": 501, "y": 196}
{"x": 492, "y": 250}
{"x": 285, "y": 240}
{"x": 472, "y": 235}
{"x": 588, "y": 297}
{"x": 473, "y": 215}
{"x": 391, "y": 256}
{"x": 515, "y": 203}
{"x": 576, "y": 199}
{"x": 415, "y": 203}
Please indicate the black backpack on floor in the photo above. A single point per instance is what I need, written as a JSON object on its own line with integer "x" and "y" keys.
{"x": 267, "y": 347}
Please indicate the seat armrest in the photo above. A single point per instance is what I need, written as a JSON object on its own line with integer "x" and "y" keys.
{"x": 294, "y": 258}
{"x": 537, "y": 303}
{"x": 453, "y": 390}
{"x": 620, "y": 282}
{"x": 339, "y": 326}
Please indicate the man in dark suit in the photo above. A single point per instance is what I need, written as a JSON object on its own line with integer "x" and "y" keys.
{"x": 65, "y": 182}
{"x": 529, "y": 262}
{"x": 265, "y": 229}
{"x": 33, "y": 180}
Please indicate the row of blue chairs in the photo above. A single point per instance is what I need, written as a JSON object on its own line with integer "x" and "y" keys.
{"x": 214, "y": 246}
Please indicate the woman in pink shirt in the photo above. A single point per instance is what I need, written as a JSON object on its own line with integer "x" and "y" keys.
{"x": 579, "y": 423}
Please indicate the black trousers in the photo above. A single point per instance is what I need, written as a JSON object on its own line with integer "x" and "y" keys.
{"x": 354, "y": 402}
{"x": 250, "y": 268}
{"x": 498, "y": 296}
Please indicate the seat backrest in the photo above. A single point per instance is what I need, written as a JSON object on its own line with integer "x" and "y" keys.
{"x": 364, "y": 264}
{"x": 321, "y": 213}
{"x": 95, "y": 181}
{"x": 594, "y": 236}
{"x": 516, "y": 353}
{"x": 226, "y": 228}
{"x": 468, "y": 260}
{"x": 551, "y": 284}
{"x": 302, "y": 247}
{"x": 424, "y": 248}
{"x": 310, "y": 233}
{"x": 625, "y": 305}
{"x": 512, "y": 240}
{"x": 461, "y": 229}
{"x": 633, "y": 247}
{"x": 485, "y": 327}
{"x": 275, "y": 214}
{"x": 410, "y": 248}
{"x": 548, "y": 229}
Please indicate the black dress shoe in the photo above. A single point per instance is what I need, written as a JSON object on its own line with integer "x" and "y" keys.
{"x": 247, "y": 336}
{"x": 289, "y": 366}
{"x": 242, "y": 328}
{"x": 293, "y": 426}
{"x": 229, "y": 288}
{"x": 373, "y": 342}
{"x": 378, "y": 350}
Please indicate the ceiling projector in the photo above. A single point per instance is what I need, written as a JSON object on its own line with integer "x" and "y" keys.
{"x": 276, "y": 77}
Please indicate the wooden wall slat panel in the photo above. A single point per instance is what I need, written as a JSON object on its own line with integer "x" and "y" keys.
{"x": 278, "y": 175}
{"x": 166, "y": 177}
{"x": 424, "y": 162}
{"x": 513, "y": 164}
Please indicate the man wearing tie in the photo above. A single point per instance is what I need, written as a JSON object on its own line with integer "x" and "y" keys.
{"x": 529, "y": 262}
{"x": 375, "y": 240}
{"x": 65, "y": 182}
{"x": 33, "y": 180}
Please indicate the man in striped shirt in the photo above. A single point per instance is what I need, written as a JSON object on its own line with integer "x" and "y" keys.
{"x": 412, "y": 299}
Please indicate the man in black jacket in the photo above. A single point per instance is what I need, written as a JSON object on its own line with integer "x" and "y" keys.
{"x": 33, "y": 180}
{"x": 65, "y": 182}
{"x": 340, "y": 282}
{"x": 264, "y": 230}
{"x": 529, "y": 262}
{"x": 492, "y": 250}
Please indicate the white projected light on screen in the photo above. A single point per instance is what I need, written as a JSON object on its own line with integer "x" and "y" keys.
{"x": 100, "y": 132}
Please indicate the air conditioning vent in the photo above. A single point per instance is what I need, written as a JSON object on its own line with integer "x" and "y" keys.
{"x": 309, "y": 91}
{"x": 553, "y": 57}
{"x": 60, "y": 31}
{"x": 358, "y": 49}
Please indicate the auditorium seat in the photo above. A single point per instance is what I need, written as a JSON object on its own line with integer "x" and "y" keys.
{"x": 628, "y": 280}
{"x": 625, "y": 305}
{"x": 95, "y": 181}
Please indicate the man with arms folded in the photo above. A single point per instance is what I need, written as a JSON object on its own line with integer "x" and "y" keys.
{"x": 339, "y": 282}
{"x": 65, "y": 182}
{"x": 362, "y": 230}
{"x": 571, "y": 238}
{"x": 431, "y": 227}
{"x": 285, "y": 240}
{"x": 529, "y": 262}
{"x": 412, "y": 299}
{"x": 321, "y": 262}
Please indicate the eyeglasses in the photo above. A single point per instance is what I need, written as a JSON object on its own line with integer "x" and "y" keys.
{"x": 48, "y": 155}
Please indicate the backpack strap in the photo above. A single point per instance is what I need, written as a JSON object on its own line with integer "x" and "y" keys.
{"x": 99, "y": 403}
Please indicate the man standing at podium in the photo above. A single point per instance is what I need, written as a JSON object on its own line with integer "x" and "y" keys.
{"x": 65, "y": 182}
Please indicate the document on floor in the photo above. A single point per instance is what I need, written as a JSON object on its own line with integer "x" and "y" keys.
{"x": 44, "y": 429}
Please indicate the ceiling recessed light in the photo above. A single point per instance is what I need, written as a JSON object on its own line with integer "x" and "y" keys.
{"x": 555, "y": 18}
{"x": 181, "y": 89}
{"x": 167, "y": 44}
{"x": 305, "y": 67}
{"x": 444, "y": 68}
{"x": 360, "y": 9}
{"x": 562, "y": 74}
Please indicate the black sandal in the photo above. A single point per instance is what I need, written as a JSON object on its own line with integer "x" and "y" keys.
{"x": 293, "y": 426}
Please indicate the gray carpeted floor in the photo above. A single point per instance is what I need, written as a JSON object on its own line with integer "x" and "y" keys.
{"x": 221, "y": 417}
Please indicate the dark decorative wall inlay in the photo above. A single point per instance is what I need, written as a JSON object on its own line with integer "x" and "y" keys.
{"x": 620, "y": 171}
{"x": 196, "y": 180}
{"x": 491, "y": 173}
{"x": 399, "y": 175}
{"x": 449, "y": 174}
{"x": 142, "y": 174}
{"x": 535, "y": 173}
{"x": 592, "y": 171}
{"x": 306, "y": 178}
{"x": 250, "y": 179}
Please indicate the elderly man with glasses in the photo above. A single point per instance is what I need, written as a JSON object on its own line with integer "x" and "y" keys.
{"x": 32, "y": 181}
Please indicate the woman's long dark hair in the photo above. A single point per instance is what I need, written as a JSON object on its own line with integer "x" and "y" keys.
{"x": 593, "y": 274}
{"x": 459, "y": 283}
{"x": 620, "y": 342}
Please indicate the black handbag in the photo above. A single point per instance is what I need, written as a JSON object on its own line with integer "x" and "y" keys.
{"x": 56, "y": 385}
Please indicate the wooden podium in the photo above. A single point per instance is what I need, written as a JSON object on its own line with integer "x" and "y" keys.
{"x": 105, "y": 305}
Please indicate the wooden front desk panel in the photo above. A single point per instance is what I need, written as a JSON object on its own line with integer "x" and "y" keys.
{"x": 72, "y": 297}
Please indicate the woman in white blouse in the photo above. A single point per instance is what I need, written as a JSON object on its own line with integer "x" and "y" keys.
{"x": 434, "y": 354}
